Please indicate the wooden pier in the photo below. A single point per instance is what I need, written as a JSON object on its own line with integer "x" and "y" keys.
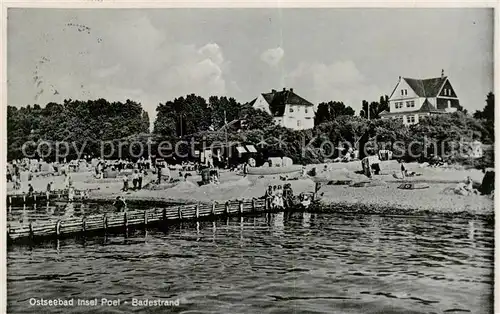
{"x": 105, "y": 222}
{"x": 20, "y": 199}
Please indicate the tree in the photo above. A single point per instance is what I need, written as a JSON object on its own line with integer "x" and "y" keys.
{"x": 254, "y": 118}
{"x": 375, "y": 108}
{"x": 221, "y": 106}
{"x": 331, "y": 110}
{"x": 488, "y": 111}
{"x": 182, "y": 116}
{"x": 84, "y": 123}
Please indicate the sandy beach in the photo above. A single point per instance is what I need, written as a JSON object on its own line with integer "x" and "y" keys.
{"x": 438, "y": 198}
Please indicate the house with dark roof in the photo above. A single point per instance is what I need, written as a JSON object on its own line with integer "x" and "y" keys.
{"x": 414, "y": 98}
{"x": 287, "y": 108}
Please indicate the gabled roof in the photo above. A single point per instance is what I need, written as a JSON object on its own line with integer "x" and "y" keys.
{"x": 427, "y": 87}
{"x": 427, "y": 106}
{"x": 278, "y": 100}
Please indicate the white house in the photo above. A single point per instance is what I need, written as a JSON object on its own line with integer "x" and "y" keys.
{"x": 414, "y": 98}
{"x": 287, "y": 108}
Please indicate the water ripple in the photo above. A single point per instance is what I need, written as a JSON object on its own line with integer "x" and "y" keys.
{"x": 288, "y": 263}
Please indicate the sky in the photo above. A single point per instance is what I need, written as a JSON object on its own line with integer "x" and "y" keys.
{"x": 155, "y": 55}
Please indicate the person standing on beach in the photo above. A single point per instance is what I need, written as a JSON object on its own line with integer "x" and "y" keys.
{"x": 279, "y": 195}
{"x": 49, "y": 189}
{"x": 125, "y": 183}
{"x": 139, "y": 179}
{"x": 158, "y": 170}
{"x": 269, "y": 192}
{"x": 275, "y": 197}
{"x": 403, "y": 169}
{"x": 135, "y": 179}
{"x": 71, "y": 194}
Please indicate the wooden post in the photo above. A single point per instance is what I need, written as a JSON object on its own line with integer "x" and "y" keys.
{"x": 58, "y": 227}
{"x": 10, "y": 200}
{"x": 84, "y": 224}
{"x": 241, "y": 207}
{"x": 266, "y": 205}
{"x": 24, "y": 199}
{"x": 34, "y": 198}
{"x": 32, "y": 234}
{"x": 226, "y": 207}
{"x": 180, "y": 212}
{"x": 213, "y": 208}
{"x": 197, "y": 208}
{"x": 105, "y": 222}
{"x": 125, "y": 220}
{"x": 253, "y": 204}
{"x": 164, "y": 214}
{"x": 145, "y": 217}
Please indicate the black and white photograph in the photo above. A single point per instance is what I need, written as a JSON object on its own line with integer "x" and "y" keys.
{"x": 248, "y": 159}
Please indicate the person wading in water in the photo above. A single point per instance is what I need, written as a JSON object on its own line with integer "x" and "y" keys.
{"x": 120, "y": 204}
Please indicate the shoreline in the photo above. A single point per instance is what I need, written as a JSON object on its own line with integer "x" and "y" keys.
{"x": 385, "y": 197}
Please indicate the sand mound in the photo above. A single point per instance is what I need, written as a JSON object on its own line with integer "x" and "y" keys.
{"x": 338, "y": 174}
{"x": 241, "y": 182}
{"x": 185, "y": 185}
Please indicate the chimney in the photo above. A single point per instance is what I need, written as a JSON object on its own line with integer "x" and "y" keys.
{"x": 291, "y": 90}
{"x": 400, "y": 77}
{"x": 273, "y": 91}
{"x": 284, "y": 89}
{"x": 442, "y": 73}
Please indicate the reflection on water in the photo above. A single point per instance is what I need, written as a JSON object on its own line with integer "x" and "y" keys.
{"x": 276, "y": 263}
{"x": 46, "y": 212}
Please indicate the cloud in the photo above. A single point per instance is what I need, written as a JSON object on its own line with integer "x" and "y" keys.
{"x": 340, "y": 80}
{"x": 196, "y": 70}
{"x": 130, "y": 58}
{"x": 272, "y": 56}
{"x": 213, "y": 52}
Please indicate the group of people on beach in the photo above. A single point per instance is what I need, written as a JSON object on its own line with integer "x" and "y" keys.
{"x": 281, "y": 197}
{"x": 137, "y": 178}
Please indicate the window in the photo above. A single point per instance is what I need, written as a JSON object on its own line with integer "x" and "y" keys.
{"x": 298, "y": 123}
{"x": 291, "y": 109}
{"x": 398, "y": 104}
{"x": 410, "y": 104}
{"x": 402, "y": 92}
{"x": 305, "y": 110}
{"x": 406, "y": 92}
{"x": 410, "y": 119}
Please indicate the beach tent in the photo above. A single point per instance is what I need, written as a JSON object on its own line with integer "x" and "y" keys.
{"x": 275, "y": 162}
{"x": 286, "y": 161}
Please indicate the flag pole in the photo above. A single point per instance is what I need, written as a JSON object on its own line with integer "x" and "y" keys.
{"x": 225, "y": 131}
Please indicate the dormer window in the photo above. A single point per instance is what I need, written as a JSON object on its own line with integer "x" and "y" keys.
{"x": 291, "y": 109}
